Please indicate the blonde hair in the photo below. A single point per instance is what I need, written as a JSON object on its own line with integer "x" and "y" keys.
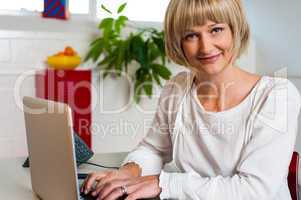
{"x": 184, "y": 14}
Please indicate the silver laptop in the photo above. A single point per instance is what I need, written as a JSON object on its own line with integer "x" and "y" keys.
{"x": 51, "y": 150}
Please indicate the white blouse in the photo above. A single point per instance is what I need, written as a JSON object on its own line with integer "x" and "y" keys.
{"x": 240, "y": 153}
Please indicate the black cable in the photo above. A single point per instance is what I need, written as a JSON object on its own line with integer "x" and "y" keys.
{"x": 102, "y": 166}
{"x": 82, "y": 175}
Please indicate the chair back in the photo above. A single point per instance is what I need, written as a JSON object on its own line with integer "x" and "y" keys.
{"x": 292, "y": 178}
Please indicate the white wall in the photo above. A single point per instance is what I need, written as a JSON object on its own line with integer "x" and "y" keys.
{"x": 24, "y": 46}
{"x": 23, "y": 51}
{"x": 276, "y": 29}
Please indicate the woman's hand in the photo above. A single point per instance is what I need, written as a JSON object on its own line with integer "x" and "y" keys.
{"x": 135, "y": 188}
{"x": 100, "y": 178}
{"x": 128, "y": 170}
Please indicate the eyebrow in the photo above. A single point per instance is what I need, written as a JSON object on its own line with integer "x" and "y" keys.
{"x": 213, "y": 24}
{"x": 210, "y": 25}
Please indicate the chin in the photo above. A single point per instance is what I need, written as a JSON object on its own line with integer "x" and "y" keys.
{"x": 212, "y": 69}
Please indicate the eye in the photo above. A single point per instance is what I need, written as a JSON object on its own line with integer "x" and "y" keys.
{"x": 217, "y": 30}
{"x": 191, "y": 36}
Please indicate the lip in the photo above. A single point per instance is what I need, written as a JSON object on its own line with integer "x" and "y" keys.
{"x": 210, "y": 59}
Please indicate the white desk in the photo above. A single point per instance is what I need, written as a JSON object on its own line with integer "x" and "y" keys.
{"x": 15, "y": 183}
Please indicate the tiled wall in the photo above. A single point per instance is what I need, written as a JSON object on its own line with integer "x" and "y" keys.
{"x": 25, "y": 51}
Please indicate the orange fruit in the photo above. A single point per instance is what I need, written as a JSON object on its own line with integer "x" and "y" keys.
{"x": 60, "y": 54}
{"x": 69, "y": 51}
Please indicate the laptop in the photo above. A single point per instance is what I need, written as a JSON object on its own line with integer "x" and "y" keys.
{"x": 51, "y": 150}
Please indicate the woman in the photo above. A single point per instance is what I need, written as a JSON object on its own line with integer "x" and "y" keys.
{"x": 229, "y": 133}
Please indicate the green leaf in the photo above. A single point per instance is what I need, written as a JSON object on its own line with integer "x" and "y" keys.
{"x": 106, "y": 73}
{"x": 140, "y": 73}
{"x": 121, "y": 8}
{"x": 120, "y": 55}
{"x": 106, "y": 23}
{"x": 137, "y": 91}
{"x": 159, "y": 41}
{"x": 109, "y": 41}
{"x": 107, "y": 70}
{"x": 145, "y": 53}
{"x": 148, "y": 86}
{"x": 127, "y": 54}
{"x": 105, "y": 9}
{"x": 97, "y": 48}
{"x": 112, "y": 61}
{"x": 148, "y": 89}
{"x": 139, "y": 50}
{"x": 120, "y": 23}
{"x": 88, "y": 56}
{"x": 154, "y": 52}
{"x": 90, "y": 52}
{"x": 94, "y": 42}
{"x": 107, "y": 59}
{"x": 157, "y": 79}
{"x": 161, "y": 70}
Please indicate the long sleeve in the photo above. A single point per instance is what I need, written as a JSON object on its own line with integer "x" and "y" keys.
{"x": 155, "y": 149}
{"x": 264, "y": 161}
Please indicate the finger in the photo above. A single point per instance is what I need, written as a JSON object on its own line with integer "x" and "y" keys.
{"x": 82, "y": 187}
{"x": 135, "y": 195}
{"x": 91, "y": 180}
{"x": 110, "y": 178}
{"x": 84, "y": 183}
{"x": 117, "y": 192}
{"x": 107, "y": 186}
{"x": 141, "y": 191}
{"x": 98, "y": 187}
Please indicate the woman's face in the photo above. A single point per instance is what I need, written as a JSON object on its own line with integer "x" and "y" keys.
{"x": 207, "y": 48}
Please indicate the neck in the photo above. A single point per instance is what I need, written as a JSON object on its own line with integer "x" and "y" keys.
{"x": 212, "y": 90}
{"x": 217, "y": 84}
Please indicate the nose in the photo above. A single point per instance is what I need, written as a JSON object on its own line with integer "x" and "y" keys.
{"x": 205, "y": 45}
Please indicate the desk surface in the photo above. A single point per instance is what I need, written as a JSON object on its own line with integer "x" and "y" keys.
{"x": 15, "y": 183}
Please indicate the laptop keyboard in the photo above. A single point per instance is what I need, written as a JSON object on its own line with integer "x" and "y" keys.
{"x": 87, "y": 197}
{"x": 90, "y": 197}
{"x": 84, "y": 196}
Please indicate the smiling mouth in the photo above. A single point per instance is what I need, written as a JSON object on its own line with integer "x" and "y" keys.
{"x": 209, "y": 59}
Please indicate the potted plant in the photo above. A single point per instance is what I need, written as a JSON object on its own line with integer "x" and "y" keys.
{"x": 114, "y": 53}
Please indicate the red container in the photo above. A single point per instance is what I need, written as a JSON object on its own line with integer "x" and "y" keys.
{"x": 72, "y": 87}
